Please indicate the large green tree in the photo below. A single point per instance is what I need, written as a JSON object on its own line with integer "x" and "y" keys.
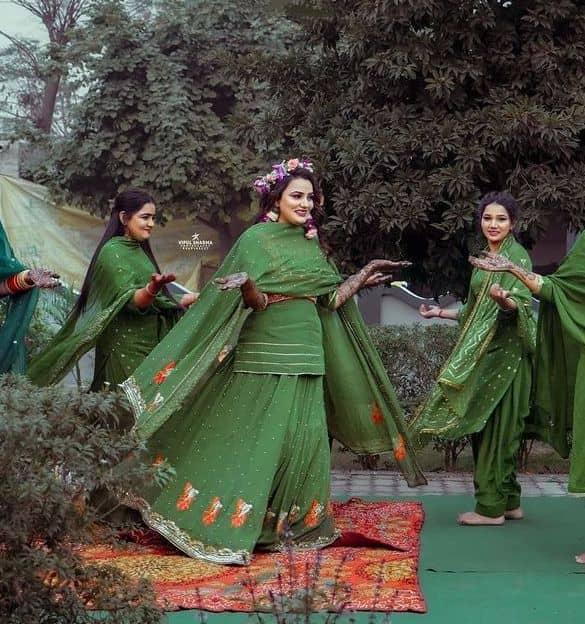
{"x": 158, "y": 109}
{"x": 414, "y": 108}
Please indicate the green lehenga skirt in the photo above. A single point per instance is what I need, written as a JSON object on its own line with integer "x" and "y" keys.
{"x": 252, "y": 463}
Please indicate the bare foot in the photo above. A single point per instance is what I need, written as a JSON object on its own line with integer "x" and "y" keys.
{"x": 514, "y": 514}
{"x": 580, "y": 558}
{"x": 470, "y": 518}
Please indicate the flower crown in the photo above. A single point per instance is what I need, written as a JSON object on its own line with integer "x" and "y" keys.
{"x": 281, "y": 171}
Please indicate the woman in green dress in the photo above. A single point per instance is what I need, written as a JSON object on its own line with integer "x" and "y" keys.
{"x": 19, "y": 290}
{"x": 558, "y": 409}
{"x": 484, "y": 388}
{"x": 239, "y": 396}
{"x": 124, "y": 309}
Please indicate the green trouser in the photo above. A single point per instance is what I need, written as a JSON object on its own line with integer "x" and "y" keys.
{"x": 496, "y": 446}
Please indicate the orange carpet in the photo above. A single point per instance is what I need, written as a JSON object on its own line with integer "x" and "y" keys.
{"x": 372, "y": 567}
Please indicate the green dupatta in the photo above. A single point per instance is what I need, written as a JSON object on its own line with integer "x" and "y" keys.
{"x": 473, "y": 380}
{"x": 560, "y": 344}
{"x": 19, "y": 310}
{"x": 121, "y": 268}
{"x": 363, "y": 412}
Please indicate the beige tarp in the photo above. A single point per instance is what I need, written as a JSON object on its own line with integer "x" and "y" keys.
{"x": 64, "y": 238}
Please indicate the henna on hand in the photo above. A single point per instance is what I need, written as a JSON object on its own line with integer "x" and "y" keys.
{"x": 229, "y": 282}
{"x": 43, "y": 278}
{"x": 360, "y": 279}
{"x": 253, "y": 298}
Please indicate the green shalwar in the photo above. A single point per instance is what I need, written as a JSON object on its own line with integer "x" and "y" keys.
{"x": 484, "y": 387}
{"x": 19, "y": 310}
{"x": 239, "y": 403}
{"x": 122, "y": 334}
{"x": 559, "y": 383}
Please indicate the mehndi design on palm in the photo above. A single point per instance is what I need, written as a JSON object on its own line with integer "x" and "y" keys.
{"x": 43, "y": 278}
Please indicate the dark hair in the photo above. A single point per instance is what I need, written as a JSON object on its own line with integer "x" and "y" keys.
{"x": 268, "y": 200}
{"x": 503, "y": 198}
{"x": 129, "y": 202}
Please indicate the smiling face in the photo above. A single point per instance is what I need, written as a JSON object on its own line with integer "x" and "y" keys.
{"x": 495, "y": 224}
{"x": 296, "y": 202}
{"x": 140, "y": 224}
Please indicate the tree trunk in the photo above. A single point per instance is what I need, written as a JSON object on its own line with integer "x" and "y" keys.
{"x": 45, "y": 115}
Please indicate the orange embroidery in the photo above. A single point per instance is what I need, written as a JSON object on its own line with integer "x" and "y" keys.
{"x": 212, "y": 511}
{"x": 164, "y": 373}
{"x": 313, "y": 514}
{"x": 158, "y": 460}
{"x": 187, "y": 497}
{"x": 241, "y": 513}
{"x": 377, "y": 415}
{"x": 400, "y": 449}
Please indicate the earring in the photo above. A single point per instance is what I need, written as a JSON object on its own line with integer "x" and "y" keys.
{"x": 272, "y": 214}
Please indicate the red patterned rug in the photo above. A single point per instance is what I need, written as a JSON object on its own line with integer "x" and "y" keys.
{"x": 372, "y": 567}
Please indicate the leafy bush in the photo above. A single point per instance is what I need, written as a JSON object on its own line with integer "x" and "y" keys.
{"x": 413, "y": 356}
{"x": 57, "y": 446}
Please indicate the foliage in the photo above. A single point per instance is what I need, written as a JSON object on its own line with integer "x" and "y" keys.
{"x": 413, "y": 356}
{"x": 158, "y": 110}
{"x": 56, "y": 447}
{"x": 415, "y": 108}
{"x": 34, "y": 78}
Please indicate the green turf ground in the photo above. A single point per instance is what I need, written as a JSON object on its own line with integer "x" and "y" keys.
{"x": 520, "y": 573}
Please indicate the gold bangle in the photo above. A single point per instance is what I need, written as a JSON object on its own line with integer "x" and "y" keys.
{"x": 22, "y": 282}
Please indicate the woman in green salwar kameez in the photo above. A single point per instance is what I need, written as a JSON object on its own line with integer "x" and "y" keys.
{"x": 123, "y": 310}
{"x": 484, "y": 388}
{"x": 239, "y": 396}
{"x": 558, "y": 410}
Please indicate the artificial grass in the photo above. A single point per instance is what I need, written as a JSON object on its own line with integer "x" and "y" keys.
{"x": 520, "y": 573}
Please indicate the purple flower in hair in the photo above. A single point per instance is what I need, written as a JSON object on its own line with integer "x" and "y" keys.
{"x": 280, "y": 171}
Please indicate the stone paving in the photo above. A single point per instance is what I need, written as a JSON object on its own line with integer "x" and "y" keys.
{"x": 386, "y": 483}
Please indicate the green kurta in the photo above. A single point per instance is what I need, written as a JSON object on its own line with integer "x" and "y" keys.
{"x": 484, "y": 387}
{"x": 559, "y": 385}
{"x": 236, "y": 402}
{"x": 122, "y": 334}
{"x": 19, "y": 311}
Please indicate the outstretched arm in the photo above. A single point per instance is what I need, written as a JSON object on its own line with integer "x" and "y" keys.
{"x": 497, "y": 263}
{"x": 144, "y": 297}
{"x": 373, "y": 274}
{"x": 25, "y": 280}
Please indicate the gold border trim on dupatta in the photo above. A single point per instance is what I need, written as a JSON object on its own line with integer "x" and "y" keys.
{"x": 179, "y": 538}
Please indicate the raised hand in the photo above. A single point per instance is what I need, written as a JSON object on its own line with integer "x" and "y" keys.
{"x": 43, "y": 278}
{"x": 229, "y": 282}
{"x": 377, "y": 278}
{"x": 158, "y": 280}
{"x": 492, "y": 262}
{"x": 386, "y": 265}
